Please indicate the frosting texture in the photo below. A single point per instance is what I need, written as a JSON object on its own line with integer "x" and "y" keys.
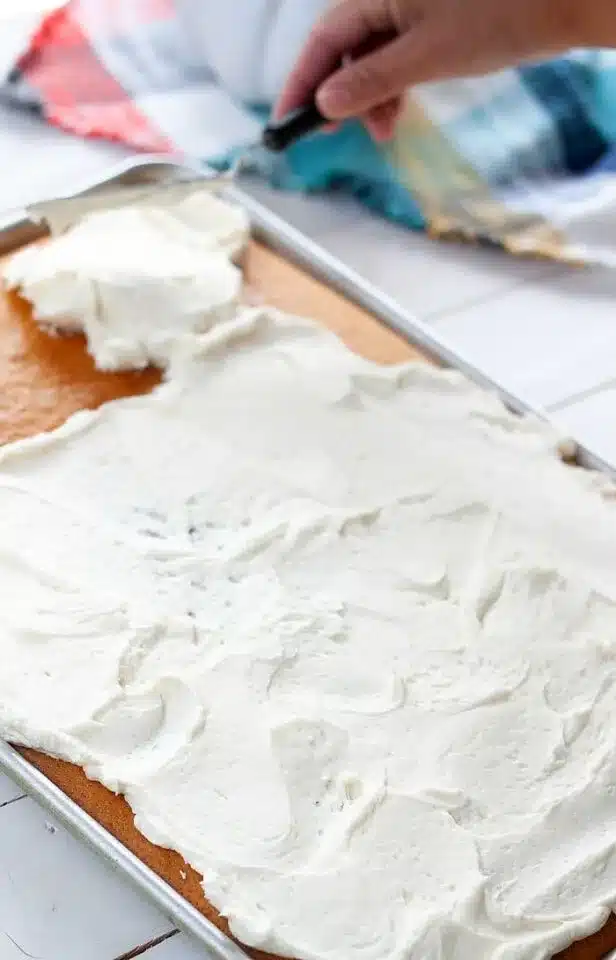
{"x": 140, "y": 281}
{"x": 344, "y": 636}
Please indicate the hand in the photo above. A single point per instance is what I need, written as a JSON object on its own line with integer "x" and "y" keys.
{"x": 363, "y": 54}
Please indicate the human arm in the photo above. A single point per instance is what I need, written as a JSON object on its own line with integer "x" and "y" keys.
{"x": 363, "y": 54}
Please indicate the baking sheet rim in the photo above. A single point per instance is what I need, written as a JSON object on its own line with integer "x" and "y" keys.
{"x": 17, "y": 230}
{"x": 81, "y": 825}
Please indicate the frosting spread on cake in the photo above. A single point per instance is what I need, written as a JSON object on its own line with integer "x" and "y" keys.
{"x": 344, "y": 635}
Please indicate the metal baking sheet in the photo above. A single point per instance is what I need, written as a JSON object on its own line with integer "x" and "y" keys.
{"x": 17, "y": 230}
{"x": 85, "y": 828}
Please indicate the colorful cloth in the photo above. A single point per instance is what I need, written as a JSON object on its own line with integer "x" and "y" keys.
{"x": 525, "y": 158}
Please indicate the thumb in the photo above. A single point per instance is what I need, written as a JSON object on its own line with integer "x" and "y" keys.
{"x": 371, "y": 80}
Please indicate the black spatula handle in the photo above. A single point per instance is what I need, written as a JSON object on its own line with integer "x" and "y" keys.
{"x": 280, "y": 134}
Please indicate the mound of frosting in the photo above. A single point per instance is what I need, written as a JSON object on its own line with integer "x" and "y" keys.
{"x": 345, "y": 636}
{"x": 141, "y": 281}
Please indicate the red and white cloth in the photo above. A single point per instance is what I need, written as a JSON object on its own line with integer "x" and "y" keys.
{"x": 143, "y": 72}
{"x": 535, "y": 148}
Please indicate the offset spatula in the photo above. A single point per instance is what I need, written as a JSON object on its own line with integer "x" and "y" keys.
{"x": 168, "y": 179}
{"x": 278, "y": 135}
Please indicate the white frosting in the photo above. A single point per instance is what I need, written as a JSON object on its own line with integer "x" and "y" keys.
{"x": 141, "y": 281}
{"x": 345, "y": 636}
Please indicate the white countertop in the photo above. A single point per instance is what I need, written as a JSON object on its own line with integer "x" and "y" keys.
{"x": 546, "y": 333}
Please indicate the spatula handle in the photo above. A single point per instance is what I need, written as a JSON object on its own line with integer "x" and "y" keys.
{"x": 280, "y": 134}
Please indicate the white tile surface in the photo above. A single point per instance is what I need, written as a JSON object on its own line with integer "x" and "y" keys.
{"x": 179, "y": 947}
{"x": 593, "y": 423}
{"x": 57, "y": 900}
{"x": 426, "y": 277}
{"x": 316, "y": 215}
{"x": 8, "y": 791}
{"x": 10, "y": 949}
{"x": 545, "y": 341}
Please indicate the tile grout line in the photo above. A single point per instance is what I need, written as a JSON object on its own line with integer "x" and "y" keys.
{"x": 7, "y": 803}
{"x": 581, "y": 395}
{"x": 434, "y": 316}
{"x": 145, "y": 947}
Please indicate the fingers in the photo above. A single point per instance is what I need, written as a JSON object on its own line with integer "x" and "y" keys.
{"x": 359, "y": 86}
{"x": 364, "y": 54}
{"x": 381, "y": 121}
{"x": 345, "y": 28}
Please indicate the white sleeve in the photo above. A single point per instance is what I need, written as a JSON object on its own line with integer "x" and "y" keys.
{"x": 250, "y": 45}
